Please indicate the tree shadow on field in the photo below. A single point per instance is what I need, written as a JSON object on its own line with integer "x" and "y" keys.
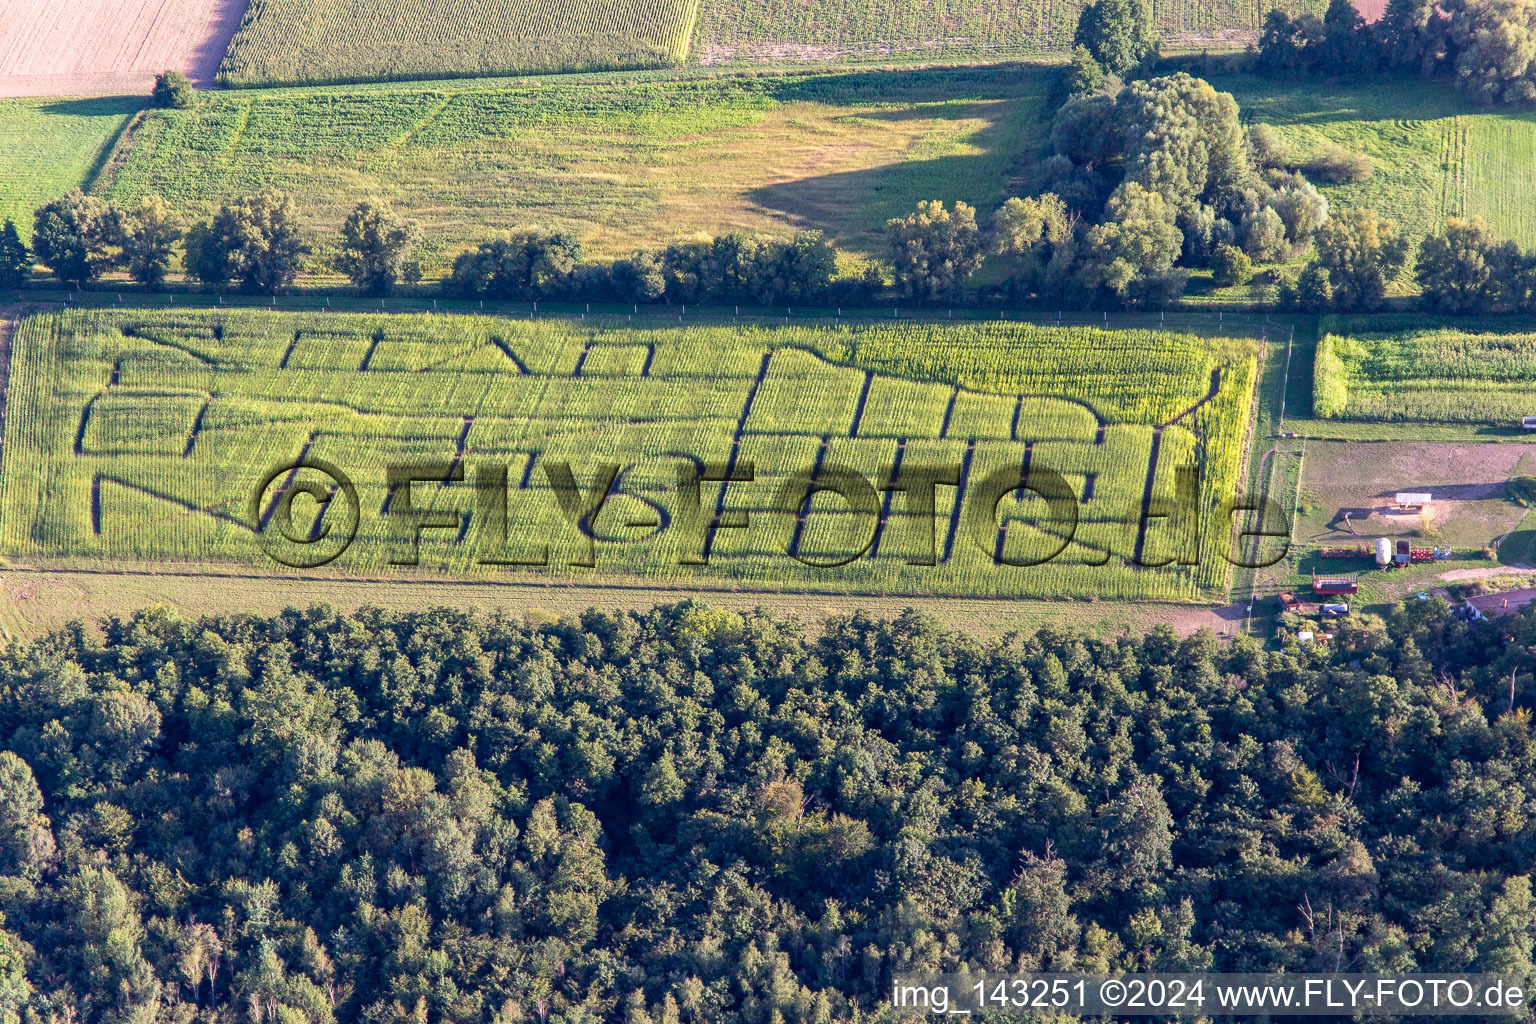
{"x": 980, "y": 82}
{"x": 853, "y": 206}
{"x": 100, "y": 106}
{"x": 1302, "y": 101}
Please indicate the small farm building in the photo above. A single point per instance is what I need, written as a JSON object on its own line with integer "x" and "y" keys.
{"x": 1493, "y": 606}
{"x": 1410, "y": 501}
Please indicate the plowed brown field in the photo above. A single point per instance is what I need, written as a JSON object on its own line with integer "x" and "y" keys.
{"x": 102, "y": 47}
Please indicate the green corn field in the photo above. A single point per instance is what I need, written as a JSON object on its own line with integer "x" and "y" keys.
{"x": 286, "y": 42}
{"x": 832, "y": 29}
{"x": 149, "y": 435}
{"x": 1431, "y": 376}
{"x": 300, "y": 41}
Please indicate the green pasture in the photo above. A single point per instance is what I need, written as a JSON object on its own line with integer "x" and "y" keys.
{"x": 1436, "y": 155}
{"x": 137, "y": 435}
{"x": 49, "y": 146}
{"x": 622, "y": 161}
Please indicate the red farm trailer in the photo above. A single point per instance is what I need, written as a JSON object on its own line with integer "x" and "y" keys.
{"x": 1327, "y": 586}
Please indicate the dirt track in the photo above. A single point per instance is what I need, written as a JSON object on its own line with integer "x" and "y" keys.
{"x": 110, "y": 47}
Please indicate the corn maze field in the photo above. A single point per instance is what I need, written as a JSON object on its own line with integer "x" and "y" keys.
{"x": 882, "y": 458}
{"x": 287, "y": 42}
{"x": 1432, "y": 376}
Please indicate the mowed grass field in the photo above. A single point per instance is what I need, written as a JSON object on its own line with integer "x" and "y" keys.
{"x": 780, "y": 30}
{"x": 138, "y": 435}
{"x": 284, "y": 42}
{"x": 1435, "y": 155}
{"x": 622, "y": 160}
{"x": 34, "y": 602}
{"x": 49, "y": 146}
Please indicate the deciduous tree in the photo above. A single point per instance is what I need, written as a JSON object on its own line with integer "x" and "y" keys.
{"x": 1117, "y": 33}
{"x": 376, "y": 248}
{"x": 935, "y": 250}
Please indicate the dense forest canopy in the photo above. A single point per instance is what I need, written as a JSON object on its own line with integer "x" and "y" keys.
{"x": 691, "y": 815}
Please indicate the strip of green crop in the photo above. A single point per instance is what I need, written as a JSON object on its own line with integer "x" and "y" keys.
{"x": 288, "y": 42}
{"x": 1441, "y": 375}
{"x": 830, "y": 29}
{"x": 145, "y": 435}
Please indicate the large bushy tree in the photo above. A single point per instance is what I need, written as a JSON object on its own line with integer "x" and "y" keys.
{"x": 1117, "y": 33}
{"x": 150, "y": 234}
{"x": 1494, "y": 43}
{"x": 934, "y": 251}
{"x": 254, "y": 241}
{"x": 1410, "y": 36}
{"x": 78, "y": 236}
{"x": 528, "y": 265}
{"x": 173, "y": 89}
{"x": 1291, "y": 44}
{"x": 1129, "y": 257}
{"x": 1363, "y": 253}
{"x": 1456, "y": 269}
{"x": 376, "y": 248}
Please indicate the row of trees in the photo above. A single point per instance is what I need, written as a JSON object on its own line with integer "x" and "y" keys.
{"x": 1048, "y": 249}
{"x": 254, "y": 243}
{"x": 1485, "y": 44}
{"x": 745, "y": 268}
{"x": 1463, "y": 268}
{"x": 689, "y": 816}
{"x": 1134, "y": 253}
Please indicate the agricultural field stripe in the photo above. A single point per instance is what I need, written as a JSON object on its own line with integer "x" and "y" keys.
{"x": 730, "y": 466}
{"x": 802, "y": 513}
{"x": 890, "y": 494}
{"x": 954, "y": 519}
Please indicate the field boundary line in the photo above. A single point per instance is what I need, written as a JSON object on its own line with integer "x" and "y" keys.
{"x": 8, "y": 329}
{"x": 114, "y": 154}
{"x": 612, "y": 583}
{"x": 1301, "y": 468}
{"x": 422, "y": 122}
